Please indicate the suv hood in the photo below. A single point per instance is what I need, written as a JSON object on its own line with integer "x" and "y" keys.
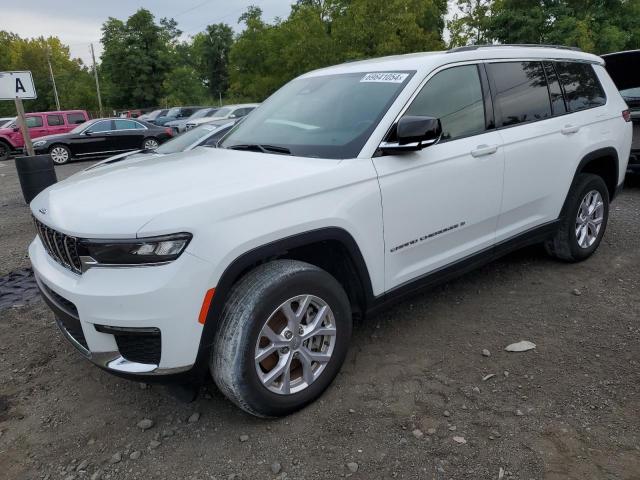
{"x": 116, "y": 200}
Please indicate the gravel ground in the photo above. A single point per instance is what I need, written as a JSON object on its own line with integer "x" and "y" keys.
{"x": 413, "y": 400}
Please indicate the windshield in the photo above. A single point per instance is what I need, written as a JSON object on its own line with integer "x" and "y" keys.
{"x": 82, "y": 126}
{"x": 199, "y": 114}
{"x": 173, "y": 112}
{"x": 154, "y": 114}
{"x": 223, "y": 112}
{"x": 631, "y": 93}
{"x": 179, "y": 143}
{"x": 6, "y": 122}
{"x": 330, "y": 116}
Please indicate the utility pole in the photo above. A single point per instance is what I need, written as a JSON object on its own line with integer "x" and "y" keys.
{"x": 95, "y": 72}
{"x": 53, "y": 80}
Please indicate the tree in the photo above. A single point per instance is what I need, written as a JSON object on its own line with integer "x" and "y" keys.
{"x": 73, "y": 79}
{"x": 470, "y": 24}
{"x": 137, "y": 58}
{"x": 210, "y": 51}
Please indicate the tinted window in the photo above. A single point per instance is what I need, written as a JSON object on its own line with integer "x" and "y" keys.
{"x": 55, "y": 120}
{"x": 103, "y": 126}
{"x": 75, "y": 118}
{"x": 521, "y": 93}
{"x": 33, "y": 122}
{"x": 127, "y": 125}
{"x": 455, "y": 97}
{"x": 557, "y": 99}
{"x": 581, "y": 86}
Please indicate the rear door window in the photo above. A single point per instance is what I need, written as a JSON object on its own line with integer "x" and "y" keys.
{"x": 455, "y": 97}
{"x": 520, "y": 92}
{"x": 127, "y": 125}
{"x": 582, "y": 88}
{"x": 75, "y": 118}
{"x": 55, "y": 120}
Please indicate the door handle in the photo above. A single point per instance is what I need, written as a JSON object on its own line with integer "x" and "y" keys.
{"x": 569, "y": 129}
{"x": 482, "y": 150}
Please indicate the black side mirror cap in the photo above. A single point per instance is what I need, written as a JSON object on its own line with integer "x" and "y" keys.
{"x": 413, "y": 133}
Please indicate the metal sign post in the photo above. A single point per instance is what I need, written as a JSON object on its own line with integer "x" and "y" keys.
{"x": 17, "y": 86}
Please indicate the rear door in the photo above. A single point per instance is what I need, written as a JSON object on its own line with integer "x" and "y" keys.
{"x": 55, "y": 123}
{"x": 541, "y": 143}
{"x": 128, "y": 134}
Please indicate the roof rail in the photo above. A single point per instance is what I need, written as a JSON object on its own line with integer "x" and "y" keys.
{"x": 467, "y": 48}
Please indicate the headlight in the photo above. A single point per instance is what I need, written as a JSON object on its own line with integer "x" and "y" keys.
{"x": 39, "y": 143}
{"x": 142, "y": 251}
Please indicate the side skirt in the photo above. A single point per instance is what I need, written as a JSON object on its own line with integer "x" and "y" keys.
{"x": 448, "y": 272}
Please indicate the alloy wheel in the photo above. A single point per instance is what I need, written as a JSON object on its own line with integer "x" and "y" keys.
{"x": 295, "y": 344}
{"x": 59, "y": 155}
{"x": 589, "y": 219}
{"x": 151, "y": 144}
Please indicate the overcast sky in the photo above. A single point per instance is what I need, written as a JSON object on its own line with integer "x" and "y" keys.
{"x": 77, "y": 23}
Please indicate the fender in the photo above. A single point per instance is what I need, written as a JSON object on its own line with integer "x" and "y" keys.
{"x": 272, "y": 250}
{"x": 607, "y": 152}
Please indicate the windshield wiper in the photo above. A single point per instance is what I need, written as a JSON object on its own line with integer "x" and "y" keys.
{"x": 261, "y": 148}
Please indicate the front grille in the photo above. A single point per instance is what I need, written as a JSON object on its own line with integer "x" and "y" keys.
{"x": 62, "y": 248}
{"x": 143, "y": 348}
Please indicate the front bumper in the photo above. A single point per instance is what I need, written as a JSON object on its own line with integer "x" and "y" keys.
{"x": 159, "y": 304}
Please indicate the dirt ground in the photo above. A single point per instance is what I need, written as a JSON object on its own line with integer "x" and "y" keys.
{"x": 414, "y": 380}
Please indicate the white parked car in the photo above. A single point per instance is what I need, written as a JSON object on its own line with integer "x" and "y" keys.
{"x": 350, "y": 187}
{"x": 224, "y": 114}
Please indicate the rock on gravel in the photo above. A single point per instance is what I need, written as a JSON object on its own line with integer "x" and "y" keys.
{"x": 486, "y": 353}
{"x": 276, "y": 468}
{"x": 460, "y": 440}
{"x": 145, "y": 424}
{"x": 194, "y": 417}
{"x": 446, "y": 413}
{"x": 115, "y": 458}
{"x": 352, "y": 466}
{"x": 154, "y": 444}
{"x": 521, "y": 346}
{"x": 418, "y": 433}
{"x": 97, "y": 475}
{"x": 244, "y": 438}
{"x": 135, "y": 455}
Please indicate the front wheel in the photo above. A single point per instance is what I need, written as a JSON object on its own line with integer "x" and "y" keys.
{"x": 150, "y": 144}
{"x": 283, "y": 336}
{"x": 5, "y": 151}
{"x": 584, "y": 222}
{"x": 60, "y": 154}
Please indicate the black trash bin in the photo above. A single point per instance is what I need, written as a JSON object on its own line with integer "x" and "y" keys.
{"x": 35, "y": 173}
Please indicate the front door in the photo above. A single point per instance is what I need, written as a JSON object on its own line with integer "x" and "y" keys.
{"x": 441, "y": 204}
{"x": 94, "y": 140}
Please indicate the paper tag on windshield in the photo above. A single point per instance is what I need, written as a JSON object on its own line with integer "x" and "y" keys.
{"x": 385, "y": 77}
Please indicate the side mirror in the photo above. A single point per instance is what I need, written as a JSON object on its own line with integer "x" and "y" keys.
{"x": 413, "y": 133}
{"x": 233, "y": 115}
{"x": 16, "y": 129}
{"x": 88, "y": 133}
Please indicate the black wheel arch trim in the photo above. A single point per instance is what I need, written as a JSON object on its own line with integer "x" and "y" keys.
{"x": 610, "y": 152}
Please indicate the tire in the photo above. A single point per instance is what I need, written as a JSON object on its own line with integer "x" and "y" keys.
{"x": 569, "y": 244}
{"x": 150, "y": 143}
{"x": 5, "y": 151}
{"x": 60, "y": 154}
{"x": 257, "y": 300}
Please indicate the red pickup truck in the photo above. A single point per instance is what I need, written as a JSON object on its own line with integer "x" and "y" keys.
{"x": 40, "y": 124}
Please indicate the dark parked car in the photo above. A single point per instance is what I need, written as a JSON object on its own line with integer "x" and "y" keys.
{"x": 102, "y": 138}
{"x": 623, "y": 67}
{"x": 176, "y": 113}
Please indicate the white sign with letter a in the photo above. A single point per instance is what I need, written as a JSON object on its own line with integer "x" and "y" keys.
{"x": 17, "y": 85}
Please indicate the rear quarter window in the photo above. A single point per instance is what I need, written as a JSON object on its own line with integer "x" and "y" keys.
{"x": 55, "y": 120}
{"x": 581, "y": 86}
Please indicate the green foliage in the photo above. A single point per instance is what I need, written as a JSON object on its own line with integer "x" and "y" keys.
{"x": 73, "y": 79}
{"x": 210, "y": 53}
{"x": 137, "y": 58}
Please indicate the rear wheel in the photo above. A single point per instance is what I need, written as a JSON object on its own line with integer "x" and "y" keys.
{"x": 5, "y": 151}
{"x": 60, "y": 154}
{"x": 283, "y": 337}
{"x": 150, "y": 144}
{"x": 585, "y": 220}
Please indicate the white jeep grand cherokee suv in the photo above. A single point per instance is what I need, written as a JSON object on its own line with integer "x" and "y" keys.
{"x": 348, "y": 188}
